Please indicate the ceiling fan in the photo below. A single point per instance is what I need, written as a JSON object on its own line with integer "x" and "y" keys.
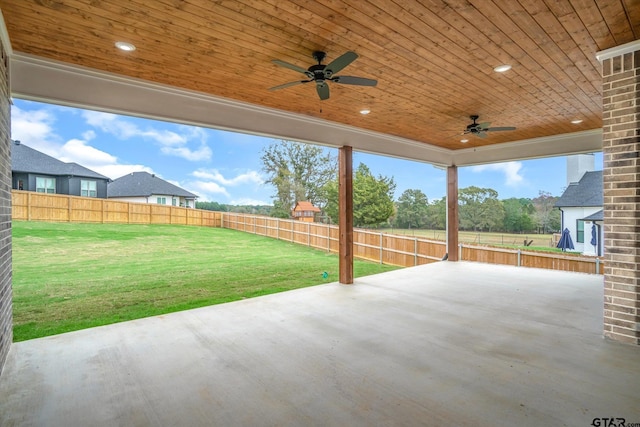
{"x": 321, "y": 74}
{"x": 480, "y": 129}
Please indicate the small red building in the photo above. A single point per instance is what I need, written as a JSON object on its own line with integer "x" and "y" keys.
{"x": 305, "y": 211}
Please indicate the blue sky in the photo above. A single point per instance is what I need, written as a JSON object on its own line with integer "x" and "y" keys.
{"x": 225, "y": 166}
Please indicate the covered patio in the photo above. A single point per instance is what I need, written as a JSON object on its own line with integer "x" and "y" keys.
{"x": 440, "y": 344}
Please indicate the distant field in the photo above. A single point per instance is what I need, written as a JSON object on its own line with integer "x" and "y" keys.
{"x": 74, "y": 276}
{"x": 540, "y": 241}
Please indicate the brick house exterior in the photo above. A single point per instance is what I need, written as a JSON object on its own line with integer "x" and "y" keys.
{"x": 621, "y": 148}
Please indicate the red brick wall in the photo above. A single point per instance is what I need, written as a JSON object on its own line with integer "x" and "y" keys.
{"x": 621, "y": 148}
{"x": 6, "y": 327}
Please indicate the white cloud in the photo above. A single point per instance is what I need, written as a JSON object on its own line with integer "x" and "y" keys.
{"x": 252, "y": 202}
{"x": 216, "y": 176}
{"x": 211, "y": 184}
{"x": 512, "y": 171}
{"x": 88, "y": 135}
{"x": 35, "y": 129}
{"x": 206, "y": 190}
{"x": 171, "y": 143}
{"x": 78, "y": 151}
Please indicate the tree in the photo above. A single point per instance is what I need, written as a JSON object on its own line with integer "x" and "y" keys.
{"x": 518, "y": 215}
{"x": 546, "y": 216}
{"x": 298, "y": 172}
{"x": 372, "y": 198}
{"x": 413, "y": 209}
{"x": 480, "y": 208}
{"x": 437, "y": 214}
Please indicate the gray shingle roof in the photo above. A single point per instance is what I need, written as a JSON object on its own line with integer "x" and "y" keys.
{"x": 26, "y": 159}
{"x": 598, "y": 216}
{"x": 137, "y": 184}
{"x": 588, "y": 192}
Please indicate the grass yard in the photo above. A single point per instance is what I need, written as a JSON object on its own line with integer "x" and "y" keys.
{"x": 540, "y": 241}
{"x": 74, "y": 276}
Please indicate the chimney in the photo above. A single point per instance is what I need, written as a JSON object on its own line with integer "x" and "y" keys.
{"x": 577, "y": 165}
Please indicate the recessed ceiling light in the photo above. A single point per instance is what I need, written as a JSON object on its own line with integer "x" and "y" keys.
{"x": 502, "y": 68}
{"x": 576, "y": 121}
{"x": 365, "y": 111}
{"x": 464, "y": 141}
{"x": 127, "y": 47}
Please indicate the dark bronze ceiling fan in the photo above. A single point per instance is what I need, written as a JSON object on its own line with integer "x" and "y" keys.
{"x": 322, "y": 74}
{"x": 480, "y": 129}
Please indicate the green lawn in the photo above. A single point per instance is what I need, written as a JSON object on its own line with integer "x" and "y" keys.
{"x": 74, "y": 276}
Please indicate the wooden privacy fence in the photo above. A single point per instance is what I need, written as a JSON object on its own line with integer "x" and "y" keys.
{"x": 550, "y": 261}
{"x": 375, "y": 246}
{"x": 384, "y": 248}
{"x": 30, "y": 206}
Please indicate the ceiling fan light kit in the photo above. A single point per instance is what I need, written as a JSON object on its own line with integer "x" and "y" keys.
{"x": 321, "y": 74}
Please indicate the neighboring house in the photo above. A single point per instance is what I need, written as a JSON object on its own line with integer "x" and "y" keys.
{"x": 305, "y": 211}
{"x": 143, "y": 187}
{"x": 32, "y": 170}
{"x": 582, "y": 204}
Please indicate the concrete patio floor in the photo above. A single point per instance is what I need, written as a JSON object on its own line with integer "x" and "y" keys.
{"x": 461, "y": 344}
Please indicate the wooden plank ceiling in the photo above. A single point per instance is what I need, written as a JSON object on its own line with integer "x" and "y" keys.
{"x": 433, "y": 59}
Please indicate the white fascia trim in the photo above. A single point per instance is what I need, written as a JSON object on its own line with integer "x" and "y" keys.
{"x": 43, "y": 80}
{"x": 618, "y": 50}
{"x": 589, "y": 141}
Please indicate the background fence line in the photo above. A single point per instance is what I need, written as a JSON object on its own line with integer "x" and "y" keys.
{"x": 31, "y": 206}
{"x": 385, "y": 248}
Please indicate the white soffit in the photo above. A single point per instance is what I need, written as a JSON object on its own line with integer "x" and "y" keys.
{"x": 54, "y": 82}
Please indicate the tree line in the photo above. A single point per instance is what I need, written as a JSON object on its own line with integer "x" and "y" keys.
{"x": 306, "y": 172}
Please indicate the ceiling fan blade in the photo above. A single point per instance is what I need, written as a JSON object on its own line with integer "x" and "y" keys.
{"x": 350, "y": 80}
{"x": 500, "y": 128}
{"x": 340, "y": 62}
{"x": 480, "y": 134}
{"x": 323, "y": 91}
{"x": 285, "y": 85}
{"x": 291, "y": 66}
{"x": 483, "y": 125}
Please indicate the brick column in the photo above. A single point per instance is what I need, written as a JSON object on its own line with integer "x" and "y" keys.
{"x": 6, "y": 325}
{"x": 621, "y": 149}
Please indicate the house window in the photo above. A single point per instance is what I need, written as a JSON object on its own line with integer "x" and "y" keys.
{"x": 88, "y": 188}
{"x": 174, "y": 202}
{"x": 161, "y": 201}
{"x": 580, "y": 231}
{"x": 20, "y": 184}
{"x": 45, "y": 185}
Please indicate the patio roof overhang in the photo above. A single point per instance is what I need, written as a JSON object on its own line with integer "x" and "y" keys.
{"x": 210, "y": 64}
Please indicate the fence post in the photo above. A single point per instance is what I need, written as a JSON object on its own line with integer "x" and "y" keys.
{"x": 308, "y": 234}
{"x": 381, "y": 250}
{"x": 460, "y": 252}
{"x": 519, "y": 258}
{"x": 69, "y": 208}
{"x": 328, "y": 239}
{"x": 597, "y": 265}
{"x": 278, "y": 228}
{"x": 103, "y": 200}
{"x": 415, "y": 251}
{"x": 293, "y": 231}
